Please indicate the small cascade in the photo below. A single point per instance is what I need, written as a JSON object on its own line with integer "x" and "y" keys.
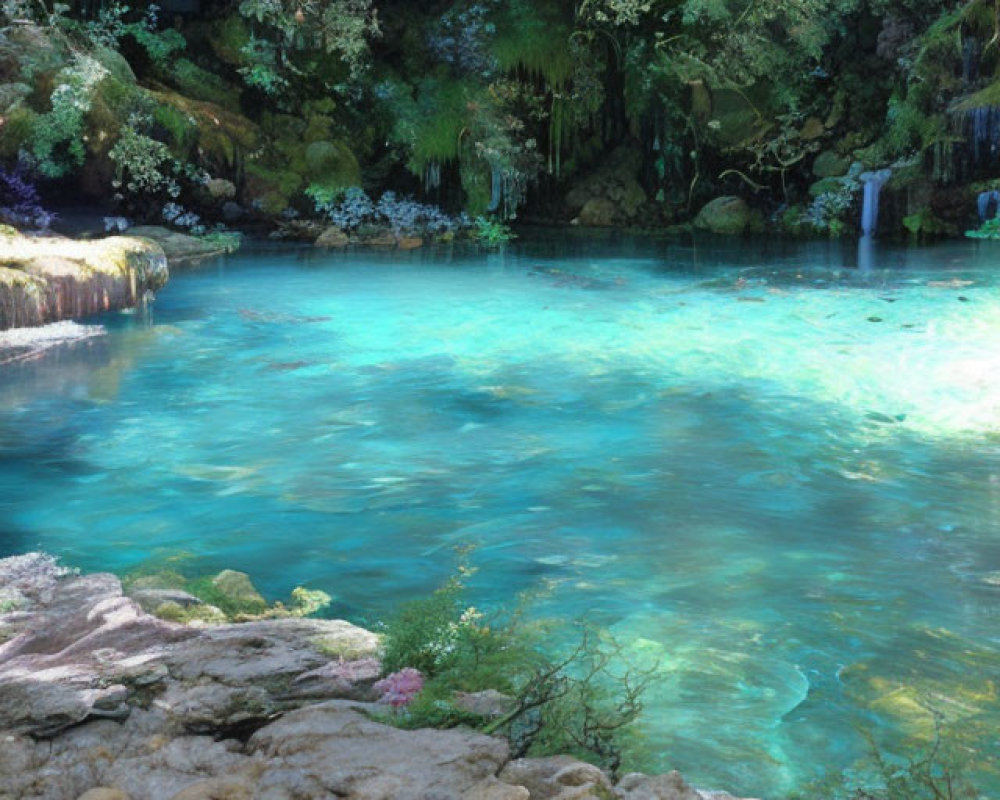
{"x": 432, "y": 176}
{"x": 983, "y": 202}
{"x": 984, "y": 132}
{"x": 873, "y": 181}
{"x": 496, "y": 184}
{"x": 971, "y": 51}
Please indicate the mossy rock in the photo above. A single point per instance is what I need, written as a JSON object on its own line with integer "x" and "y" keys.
{"x": 318, "y": 128}
{"x": 112, "y": 101}
{"x": 830, "y": 165}
{"x": 729, "y": 216}
{"x": 332, "y": 165}
{"x": 826, "y": 186}
{"x": 268, "y": 189}
{"x": 924, "y": 223}
{"x": 222, "y": 134}
{"x": 200, "y": 84}
{"x": 179, "y": 131}
{"x": 231, "y": 591}
{"x": 115, "y": 63}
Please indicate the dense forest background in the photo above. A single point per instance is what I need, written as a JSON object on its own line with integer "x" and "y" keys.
{"x": 629, "y": 113}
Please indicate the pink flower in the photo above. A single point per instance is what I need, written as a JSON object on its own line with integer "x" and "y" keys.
{"x": 399, "y": 688}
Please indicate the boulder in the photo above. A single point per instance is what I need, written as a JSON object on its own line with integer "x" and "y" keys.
{"x": 179, "y": 247}
{"x": 558, "y": 778}
{"x": 636, "y": 786}
{"x": 220, "y": 189}
{"x": 232, "y": 211}
{"x": 152, "y": 599}
{"x": 103, "y": 793}
{"x": 726, "y": 215}
{"x": 47, "y": 279}
{"x": 335, "y": 747}
{"x": 333, "y": 237}
{"x": 611, "y": 194}
{"x": 238, "y": 593}
{"x": 830, "y": 165}
{"x": 598, "y": 212}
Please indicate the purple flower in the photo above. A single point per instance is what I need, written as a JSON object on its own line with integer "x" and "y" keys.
{"x": 399, "y": 688}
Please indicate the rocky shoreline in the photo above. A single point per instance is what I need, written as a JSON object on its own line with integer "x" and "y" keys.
{"x": 100, "y": 700}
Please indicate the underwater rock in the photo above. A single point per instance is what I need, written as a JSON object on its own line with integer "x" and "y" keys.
{"x": 47, "y": 279}
{"x": 238, "y": 591}
{"x": 727, "y": 215}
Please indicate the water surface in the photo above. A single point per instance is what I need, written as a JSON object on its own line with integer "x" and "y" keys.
{"x": 775, "y": 465}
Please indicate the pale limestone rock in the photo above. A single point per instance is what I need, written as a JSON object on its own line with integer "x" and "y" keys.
{"x": 348, "y": 753}
{"x": 333, "y": 237}
{"x": 557, "y": 778}
{"x": 103, "y": 793}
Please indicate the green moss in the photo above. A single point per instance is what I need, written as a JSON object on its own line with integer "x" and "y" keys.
{"x": 531, "y": 37}
{"x": 925, "y": 223}
{"x": 988, "y": 97}
{"x": 476, "y": 182}
{"x": 825, "y": 185}
{"x": 230, "y": 591}
{"x": 221, "y": 133}
{"x": 231, "y": 35}
{"x": 284, "y": 182}
{"x": 200, "y": 84}
{"x": 181, "y": 131}
{"x": 434, "y": 131}
{"x": 332, "y": 166}
{"x": 16, "y": 131}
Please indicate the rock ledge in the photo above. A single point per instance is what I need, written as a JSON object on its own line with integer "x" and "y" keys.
{"x": 101, "y": 701}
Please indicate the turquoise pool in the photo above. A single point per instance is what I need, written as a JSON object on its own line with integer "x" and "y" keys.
{"x": 777, "y": 470}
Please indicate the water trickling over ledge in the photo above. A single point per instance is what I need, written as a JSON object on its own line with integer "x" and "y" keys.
{"x": 873, "y": 183}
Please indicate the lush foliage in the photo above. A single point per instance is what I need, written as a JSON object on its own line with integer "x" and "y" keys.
{"x": 483, "y": 106}
{"x": 356, "y": 211}
{"x": 581, "y": 701}
{"x": 20, "y": 203}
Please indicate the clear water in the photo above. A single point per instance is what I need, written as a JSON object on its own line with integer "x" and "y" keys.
{"x": 776, "y": 469}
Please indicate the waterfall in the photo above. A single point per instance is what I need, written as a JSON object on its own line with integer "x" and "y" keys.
{"x": 983, "y": 204}
{"x": 873, "y": 181}
{"x": 970, "y": 60}
{"x": 984, "y": 131}
{"x": 497, "y": 187}
{"x": 432, "y": 176}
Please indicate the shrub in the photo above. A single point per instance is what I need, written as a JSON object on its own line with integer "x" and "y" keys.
{"x": 581, "y": 702}
{"x": 20, "y": 204}
{"x": 404, "y": 215}
{"x": 491, "y": 232}
{"x": 57, "y": 144}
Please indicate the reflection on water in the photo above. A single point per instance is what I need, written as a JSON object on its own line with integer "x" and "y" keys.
{"x": 777, "y": 470}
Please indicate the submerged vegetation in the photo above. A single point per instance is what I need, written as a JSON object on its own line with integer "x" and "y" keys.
{"x": 607, "y": 112}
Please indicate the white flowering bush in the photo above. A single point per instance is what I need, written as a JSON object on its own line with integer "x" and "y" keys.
{"x": 57, "y": 144}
